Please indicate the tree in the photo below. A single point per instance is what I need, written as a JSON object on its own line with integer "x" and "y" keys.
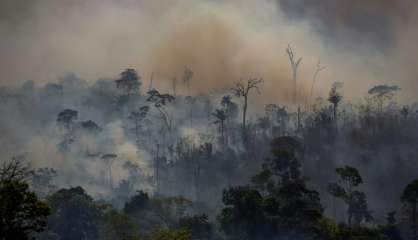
{"x": 74, "y": 214}
{"x": 294, "y": 64}
{"x": 344, "y": 188}
{"x": 335, "y": 97}
{"x": 190, "y": 100}
{"x": 409, "y": 197}
{"x": 300, "y": 207}
{"x": 243, "y": 90}
{"x": 198, "y": 225}
{"x": 129, "y": 82}
{"x": 243, "y": 215}
{"x": 381, "y": 93}
{"x": 167, "y": 234}
{"x": 151, "y": 212}
{"x": 118, "y": 225}
{"x": 66, "y": 118}
{"x": 41, "y": 181}
{"x": 187, "y": 78}
{"x": 220, "y": 116}
{"x": 137, "y": 117}
{"x": 91, "y": 127}
{"x": 279, "y": 203}
{"x": 109, "y": 159}
{"x": 160, "y": 101}
{"x": 231, "y": 111}
{"x": 318, "y": 69}
{"x": 404, "y": 112}
{"x": 22, "y": 214}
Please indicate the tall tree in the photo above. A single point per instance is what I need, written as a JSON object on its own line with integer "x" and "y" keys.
{"x": 294, "y": 64}
{"x": 66, "y": 118}
{"x": 334, "y": 98}
{"x": 137, "y": 118}
{"x": 243, "y": 90}
{"x": 187, "y": 79}
{"x": 74, "y": 214}
{"x": 22, "y": 214}
{"x": 410, "y": 199}
{"x": 318, "y": 69}
{"x": 345, "y": 188}
{"x": 381, "y": 93}
{"x": 220, "y": 116}
{"x": 109, "y": 159}
{"x": 160, "y": 102}
{"x": 129, "y": 82}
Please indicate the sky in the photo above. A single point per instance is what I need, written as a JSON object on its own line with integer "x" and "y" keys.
{"x": 362, "y": 43}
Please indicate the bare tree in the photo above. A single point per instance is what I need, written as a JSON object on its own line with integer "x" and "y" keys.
{"x": 318, "y": 69}
{"x": 150, "y": 86}
{"x": 294, "y": 64}
{"x": 187, "y": 78}
{"x": 243, "y": 90}
{"x": 174, "y": 85}
{"x": 15, "y": 169}
{"x": 190, "y": 100}
{"x": 109, "y": 159}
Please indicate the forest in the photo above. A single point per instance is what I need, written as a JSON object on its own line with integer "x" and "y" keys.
{"x": 208, "y": 120}
{"x": 146, "y": 164}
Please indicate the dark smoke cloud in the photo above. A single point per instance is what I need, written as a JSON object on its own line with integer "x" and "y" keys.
{"x": 349, "y": 21}
{"x": 223, "y": 41}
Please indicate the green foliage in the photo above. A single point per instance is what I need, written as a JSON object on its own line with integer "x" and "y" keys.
{"x": 344, "y": 188}
{"x": 410, "y": 193}
{"x": 198, "y": 225}
{"x": 410, "y": 199}
{"x": 151, "y": 212}
{"x": 327, "y": 229}
{"x": 129, "y": 82}
{"x": 243, "y": 216}
{"x": 117, "y": 225}
{"x": 350, "y": 176}
{"x": 74, "y": 214}
{"x": 285, "y": 207}
{"x": 22, "y": 213}
{"x": 166, "y": 234}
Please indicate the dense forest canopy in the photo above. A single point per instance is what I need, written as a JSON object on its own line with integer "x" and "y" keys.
{"x": 214, "y": 120}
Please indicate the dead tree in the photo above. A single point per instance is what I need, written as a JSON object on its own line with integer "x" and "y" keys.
{"x": 187, "y": 78}
{"x": 174, "y": 86}
{"x": 243, "y": 90}
{"x": 109, "y": 159}
{"x": 318, "y": 69}
{"x": 294, "y": 64}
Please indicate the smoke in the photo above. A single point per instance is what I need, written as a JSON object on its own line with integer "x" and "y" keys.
{"x": 362, "y": 43}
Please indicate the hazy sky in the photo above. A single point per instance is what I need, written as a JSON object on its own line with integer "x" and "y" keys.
{"x": 362, "y": 42}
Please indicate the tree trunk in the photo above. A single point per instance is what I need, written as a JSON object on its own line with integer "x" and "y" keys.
{"x": 244, "y": 115}
{"x": 414, "y": 220}
{"x": 294, "y": 87}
